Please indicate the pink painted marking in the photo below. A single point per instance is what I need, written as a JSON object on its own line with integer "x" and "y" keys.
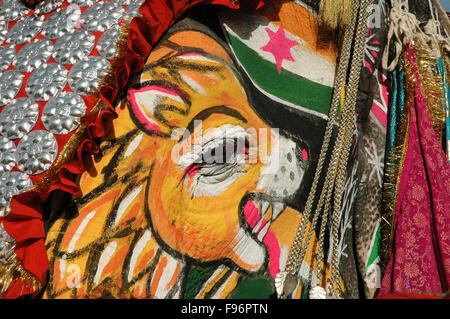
{"x": 305, "y": 155}
{"x": 147, "y": 122}
{"x": 192, "y": 54}
{"x": 251, "y": 213}
{"x": 273, "y": 248}
{"x": 368, "y": 66}
{"x": 379, "y": 114}
{"x": 279, "y": 46}
{"x": 192, "y": 170}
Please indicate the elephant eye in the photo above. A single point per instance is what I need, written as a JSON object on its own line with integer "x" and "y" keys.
{"x": 216, "y": 161}
{"x": 218, "y": 156}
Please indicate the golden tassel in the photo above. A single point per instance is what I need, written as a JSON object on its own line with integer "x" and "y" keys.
{"x": 335, "y": 13}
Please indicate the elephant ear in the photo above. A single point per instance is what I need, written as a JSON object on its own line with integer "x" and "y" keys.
{"x": 158, "y": 108}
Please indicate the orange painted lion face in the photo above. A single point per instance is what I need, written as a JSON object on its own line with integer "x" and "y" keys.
{"x": 220, "y": 175}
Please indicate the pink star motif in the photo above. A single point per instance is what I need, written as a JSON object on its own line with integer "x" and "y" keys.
{"x": 279, "y": 46}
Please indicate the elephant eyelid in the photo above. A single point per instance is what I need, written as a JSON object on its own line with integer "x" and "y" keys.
{"x": 208, "y": 164}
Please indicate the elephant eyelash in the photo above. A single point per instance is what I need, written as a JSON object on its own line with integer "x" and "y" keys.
{"x": 226, "y": 159}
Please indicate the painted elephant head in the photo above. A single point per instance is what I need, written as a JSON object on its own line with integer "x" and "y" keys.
{"x": 220, "y": 175}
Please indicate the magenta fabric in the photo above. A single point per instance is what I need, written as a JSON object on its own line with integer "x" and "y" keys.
{"x": 420, "y": 255}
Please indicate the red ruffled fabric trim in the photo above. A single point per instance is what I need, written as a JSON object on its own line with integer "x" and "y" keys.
{"x": 25, "y": 222}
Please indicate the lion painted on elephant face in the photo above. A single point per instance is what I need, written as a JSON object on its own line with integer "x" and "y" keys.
{"x": 159, "y": 201}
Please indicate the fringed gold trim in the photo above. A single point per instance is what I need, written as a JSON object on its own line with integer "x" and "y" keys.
{"x": 14, "y": 270}
{"x": 335, "y": 14}
{"x": 433, "y": 90}
{"x": 394, "y": 168}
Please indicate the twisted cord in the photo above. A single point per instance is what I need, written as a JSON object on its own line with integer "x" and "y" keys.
{"x": 337, "y": 165}
{"x": 294, "y": 259}
{"x": 350, "y": 110}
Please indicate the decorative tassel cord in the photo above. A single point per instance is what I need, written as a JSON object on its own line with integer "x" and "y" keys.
{"x": 335, "y": 18}
{"x": 347, "y": 131}
{"x": 294, "y": 260}
{"x": 337, "y": 166}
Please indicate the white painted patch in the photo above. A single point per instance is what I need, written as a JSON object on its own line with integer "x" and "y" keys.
{"x": 133, "y": 145}
{"x": 249, "y": 251}
{"x": 284, "y": 253}
{"x": 104, "y": 260}
{"x": 196, "y": 57}
{"x": 126, "y": 202}
{"x": 149, "y": 99}
{"x": 193, "y": 84}
{"x": 276, "y": 175}
{"x": 166, "y": 277}
{"x": 140, "y": 245}
{"x": 210, "y": 75}
{"x": 79, "y": 231}
{"x": 62, "y": 266}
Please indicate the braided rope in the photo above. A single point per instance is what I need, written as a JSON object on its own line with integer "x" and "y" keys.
{"x": 294, "y": 259}
{"x": 350, "y": 108}
{"x": 337, "y": 167}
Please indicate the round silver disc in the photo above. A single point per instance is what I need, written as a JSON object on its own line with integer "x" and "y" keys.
{"x": 33, "y": 55}
{"x": 72, "y": 47}
{"x": 46, "y": 81}
{"x": 85, "y": 75}
{"x": 36, "y": 152}
{"x": 61, "y": 22}
{"x": 25, "y": 30}
{"x": 11, "y": 184}
{"x": 11, "y": 10}
{"x": 7, "y": 159}
{"x": 10, "y": 84}
{"x": 107, "y": 44}
{"x": 62, "y": 114}
{"x": 3, "y": 31}
{"x": 102, "y": 16}
{"x": 48, "y": 6}
{"x": 7, "y": 56}
{"x": 18, "y": 118}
